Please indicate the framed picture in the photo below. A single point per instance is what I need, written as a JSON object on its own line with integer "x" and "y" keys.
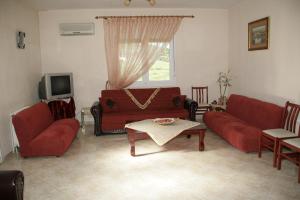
{"x": 258, "y": 34}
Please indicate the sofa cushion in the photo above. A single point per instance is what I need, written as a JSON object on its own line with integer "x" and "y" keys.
{"x": 55, "y": 140}
{"x": 294, "y": 142}
{"x": 178, "y": 101}
{"x": 279, "y": 133}
{"x": 218, "y": 119}
{"x": 108, "y": 105}
{"x": 243, "y": 136}
{"x": 70, "y": 122}
{"x": 111, "y": 121}
{"x": 163, "y": 99}
{"x": 235, "y": 131}
{"x": 31, "y": 121}
{"x": 257, "y": 113}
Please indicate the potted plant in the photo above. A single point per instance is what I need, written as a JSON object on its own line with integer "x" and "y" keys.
{"x": 224, "y": 81}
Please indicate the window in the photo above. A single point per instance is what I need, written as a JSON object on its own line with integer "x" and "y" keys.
{"x": 162, "y": 71}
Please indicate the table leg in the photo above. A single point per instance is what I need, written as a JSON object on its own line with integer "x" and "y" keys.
{"x": 279, "y": 156}
{"x": 82, "y": 122}
{"x": 132, "y": 150}
{"x": 131, "y": 138}
{"x": 201, "y": 140}
{"x": 275, "y": 152}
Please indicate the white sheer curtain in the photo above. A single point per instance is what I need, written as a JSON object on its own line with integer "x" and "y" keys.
{"x": 133, "y": 44}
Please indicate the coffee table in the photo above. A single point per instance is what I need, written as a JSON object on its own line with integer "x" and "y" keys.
{"x": 135, "y": 135}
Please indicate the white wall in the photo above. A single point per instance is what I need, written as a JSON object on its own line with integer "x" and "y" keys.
{"x": 201, "y": 49}
{"x": 20, "y": 69}
{"x": 272, "y": 74}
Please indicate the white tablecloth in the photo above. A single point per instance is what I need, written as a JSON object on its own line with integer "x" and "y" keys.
{"x": 162, "y": 134}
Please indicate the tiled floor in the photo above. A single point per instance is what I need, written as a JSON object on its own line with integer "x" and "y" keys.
{"x": 101, "y": 168}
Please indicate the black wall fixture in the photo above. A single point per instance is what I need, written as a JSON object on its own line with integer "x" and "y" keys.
{"x": 20, "y": 40}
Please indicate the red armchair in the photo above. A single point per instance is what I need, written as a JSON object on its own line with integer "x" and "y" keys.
{"x": 40, "y": 135}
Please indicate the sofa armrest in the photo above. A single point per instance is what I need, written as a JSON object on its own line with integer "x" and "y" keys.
{"x": 96, "y": 111}
{"x": 11, "y": 185}
{"x": 191, "y": 106}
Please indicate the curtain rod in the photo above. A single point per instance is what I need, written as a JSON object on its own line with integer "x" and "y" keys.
{"x": 105, "y": 17}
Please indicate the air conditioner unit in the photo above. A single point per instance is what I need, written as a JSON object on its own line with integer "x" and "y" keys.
{"x": 77, "y": 29}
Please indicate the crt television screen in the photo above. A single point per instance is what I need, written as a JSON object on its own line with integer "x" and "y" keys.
{"x": 60, "y": 85}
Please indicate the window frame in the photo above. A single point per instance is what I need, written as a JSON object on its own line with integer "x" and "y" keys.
{"x": 146, "y": 83}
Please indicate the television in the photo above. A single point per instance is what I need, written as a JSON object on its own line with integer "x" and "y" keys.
{"x": 56, "y": 86}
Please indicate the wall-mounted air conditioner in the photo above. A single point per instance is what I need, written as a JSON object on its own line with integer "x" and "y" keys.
{"x": 77, "y": 29}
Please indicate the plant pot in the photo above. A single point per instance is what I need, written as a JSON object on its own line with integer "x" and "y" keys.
{"x": 222, "y": 100}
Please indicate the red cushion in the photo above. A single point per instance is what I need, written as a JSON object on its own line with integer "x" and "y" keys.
{"x": 180, "y": 99}
{"x": 53, "y": 141}
{"x": 106, "y": 108}
{"x": 163, "y": 99}
{"x": 258, "y": 113}
{"x": 31, "y": 122}
{"x": 111, "y": 121}
{"x": 70, "y": 122}
{"x": 243, "y": 121}
{"x": 235, "y": 131}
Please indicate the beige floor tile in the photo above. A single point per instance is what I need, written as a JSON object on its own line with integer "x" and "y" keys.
{"x": 96, "y": 168}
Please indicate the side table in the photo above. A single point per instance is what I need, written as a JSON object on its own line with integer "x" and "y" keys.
{"x": 85, "y": 111}
{"x": 217, "y": 107}
{"x": 62, "y": 108}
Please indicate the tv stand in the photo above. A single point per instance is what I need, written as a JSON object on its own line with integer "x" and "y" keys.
{"x": 62, "y": 108}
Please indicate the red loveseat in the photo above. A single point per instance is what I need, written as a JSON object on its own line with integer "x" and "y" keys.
{"x": 40, "y": 135}
{"x": 115, "y": 108}
{"x": 243, "y": 121}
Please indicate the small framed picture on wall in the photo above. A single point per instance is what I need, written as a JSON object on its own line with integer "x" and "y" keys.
{"x": 258, "y": 34}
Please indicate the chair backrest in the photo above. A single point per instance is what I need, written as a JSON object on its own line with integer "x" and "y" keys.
{"x": 200, "y": 94}
{"x": 291, "y": 114}
{"x": 31, "y": 121}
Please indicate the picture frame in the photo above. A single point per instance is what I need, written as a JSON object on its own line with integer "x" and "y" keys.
{"x": 258, "y": 34}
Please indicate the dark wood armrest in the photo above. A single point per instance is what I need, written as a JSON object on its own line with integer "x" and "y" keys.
{"x": 191, "y": 106}
{"x": 11, "y": 185}
{"x": 96, "y": 111}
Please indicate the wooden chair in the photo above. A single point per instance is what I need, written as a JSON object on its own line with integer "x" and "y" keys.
{"x": 270, "y": 138}
{"x": 200, "y": 95}
{"x": 293, "y": 145}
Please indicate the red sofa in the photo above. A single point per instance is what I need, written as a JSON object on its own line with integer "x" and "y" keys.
{"x": 115, "y": 108}
{"x": 40, "y": 135}
{"x": 244, "y": 119}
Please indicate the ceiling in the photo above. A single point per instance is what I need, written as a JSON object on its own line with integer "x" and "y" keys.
{"x": 86, "y": 4}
